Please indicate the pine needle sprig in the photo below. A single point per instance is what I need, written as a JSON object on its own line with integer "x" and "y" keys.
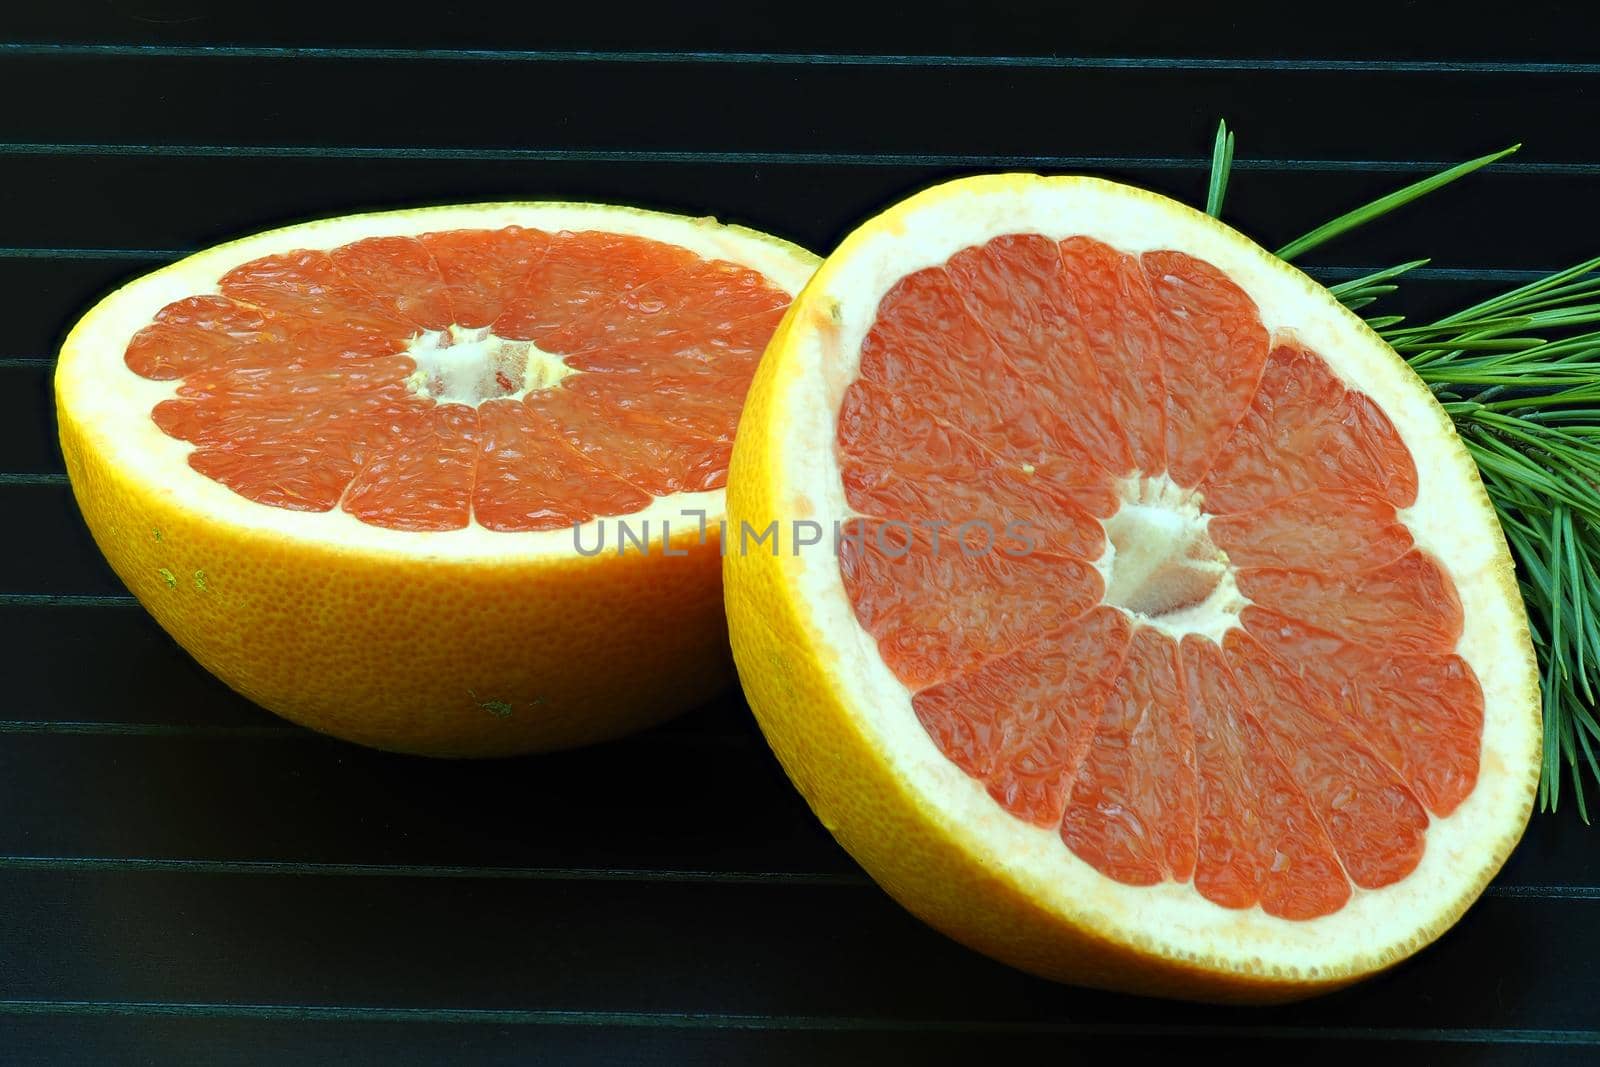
{"x": 1519, "y": 375}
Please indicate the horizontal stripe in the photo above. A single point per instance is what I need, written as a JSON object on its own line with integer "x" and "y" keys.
{"x": 161, "y": 254}
{"x": 279, "y": 731}
{"x": 70, "y": 600}
{"x": 842, "y": 159}
{"x": 801, "y": 59}
{"x": 120, "y": 865}
{"x": 32, "y": 479}
{"x": 271, "y": 731}
{"x": 730, "y": 1021}
{"x": 1545, "y": 892}
{"x": 137, "y": 865}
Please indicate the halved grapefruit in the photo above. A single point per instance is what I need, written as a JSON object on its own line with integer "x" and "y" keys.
{"x": 445, "y": 481}
{"x": 1170, "y": 643}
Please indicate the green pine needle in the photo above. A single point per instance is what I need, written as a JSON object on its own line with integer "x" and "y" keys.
{"x": 1221, "y": 167}
{"x": 1519, "y": 375}
{"x": 1376, "y": 280}
{"x": 1385, "y": 204}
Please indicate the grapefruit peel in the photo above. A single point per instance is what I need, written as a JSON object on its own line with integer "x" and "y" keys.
{"x": 842, "y": 723}
{"x": 467, "y": 642}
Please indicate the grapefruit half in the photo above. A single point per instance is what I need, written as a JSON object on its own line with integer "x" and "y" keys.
{"x": 444, "y": 481}
{"x": 1159, "y": 634}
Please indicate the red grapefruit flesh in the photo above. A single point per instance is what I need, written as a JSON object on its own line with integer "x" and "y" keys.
{"x": 1245, "y": 429}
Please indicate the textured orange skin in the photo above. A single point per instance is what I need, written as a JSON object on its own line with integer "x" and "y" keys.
{"x": 433, "y": 658}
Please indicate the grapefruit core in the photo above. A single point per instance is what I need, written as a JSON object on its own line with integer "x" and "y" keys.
{"x": 1218, "y": 682}
{"x": 360, "y": 468}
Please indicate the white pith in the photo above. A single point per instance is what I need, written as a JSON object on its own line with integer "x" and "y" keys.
{"x": 1450, "y": 519}
{"x": 112, "y": 404}
{"x": 462, "y": 365}
{"x": 1161, "y": 567}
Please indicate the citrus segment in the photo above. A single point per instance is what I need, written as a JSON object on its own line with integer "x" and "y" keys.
{"x": 194, "y": 333}
{"x": 284, "y": 426}
{"x": 403, "y": 275}
{"x": 1132, "y": 813}
{"x": 440, "y": 485}
{"x": 903, "y": 462}
{"x": 1305, "y": 432}
{"x": 939, "y": 605}
{"x": 1003, "y": 722}
{"x": 308, "y": 285}
{"x": 704, "y": 298}
{"x": 1245, "y": 754}
{"x": 630, "y": 444}
{"x": 1343, "y": 530}
{"x": 529, "y": 479}
{"x": 1258, "y": 840}
{"x": 1215, "y": 348}
{"x": 580, "y": 275}
{"x": 1113, "y": 309}
{"x": 1409, "y": 604}
{"x": 1011, "y": 290}
{"x": 482, "y": 269}
{"x": 1422, "y": 714}
{"x": 928, "y": 348}
{"x": 1377, "y": 826}
{"x": 719, "y": 357}
{"x": 424, "y": 480}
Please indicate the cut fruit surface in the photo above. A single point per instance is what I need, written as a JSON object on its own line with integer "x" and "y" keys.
{"x": 445, "y": 480}
{"x": 1218, "y": 684}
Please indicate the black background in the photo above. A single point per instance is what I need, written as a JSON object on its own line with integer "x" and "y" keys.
{"x": 184, "y": 878}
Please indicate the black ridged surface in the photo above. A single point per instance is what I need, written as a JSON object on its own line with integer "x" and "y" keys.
{"x": 188, "y": 879}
